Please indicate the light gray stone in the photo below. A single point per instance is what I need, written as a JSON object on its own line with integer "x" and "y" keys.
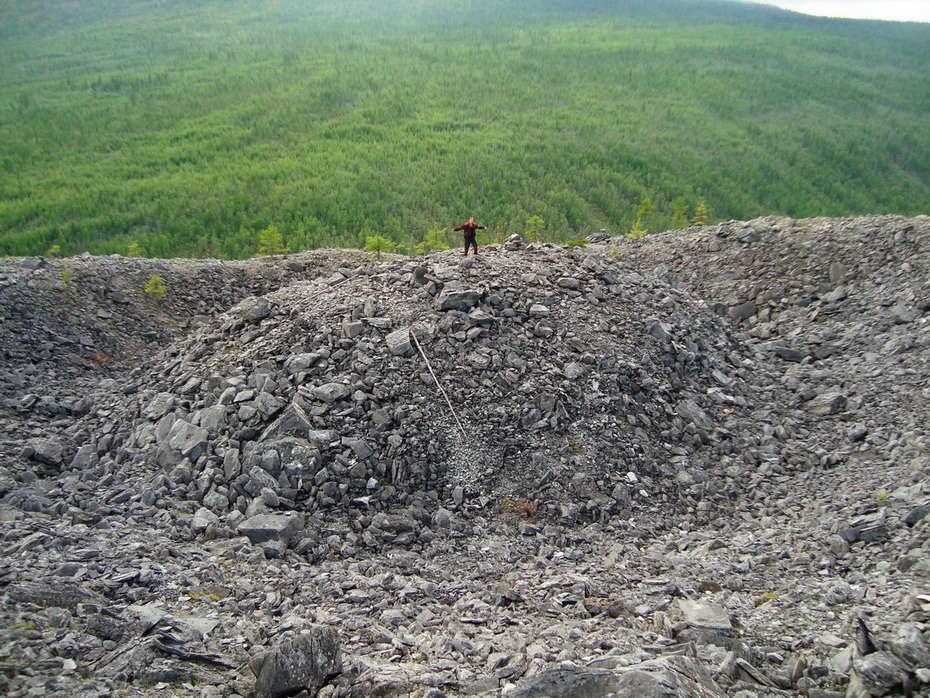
{"x": 332, "y": 392}
{"x": 827, "y": 403}
{"x": 265, "y": 527}
{"x": 398, "y": 342}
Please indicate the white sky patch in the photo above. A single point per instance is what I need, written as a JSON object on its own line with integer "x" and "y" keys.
{"x": 898, "y": 10}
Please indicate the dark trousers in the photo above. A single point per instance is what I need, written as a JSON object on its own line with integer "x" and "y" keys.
{"x": 470, "y": 241}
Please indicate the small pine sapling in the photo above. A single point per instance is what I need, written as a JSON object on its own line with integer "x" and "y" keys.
{"x": 379, "y": 244}
{"x": 155, "y": 287}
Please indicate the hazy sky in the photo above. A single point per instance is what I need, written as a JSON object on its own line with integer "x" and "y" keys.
{"x": 897, "y": 10}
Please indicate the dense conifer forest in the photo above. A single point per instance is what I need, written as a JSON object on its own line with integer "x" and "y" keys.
{"x": 216, "y": 127}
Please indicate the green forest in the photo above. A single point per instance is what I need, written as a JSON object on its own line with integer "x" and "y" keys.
{"x": 189, "y": 128}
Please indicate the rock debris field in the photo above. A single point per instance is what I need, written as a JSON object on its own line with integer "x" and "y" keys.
{"x": 695, "y": 464}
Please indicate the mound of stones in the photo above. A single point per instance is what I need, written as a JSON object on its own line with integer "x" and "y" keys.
{"x": 566, "y": 382}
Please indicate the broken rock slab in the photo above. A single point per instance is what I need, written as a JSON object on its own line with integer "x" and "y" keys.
{"x": 676, "y": 675}
{"x": 271, "y": 527}
{"x": 46, "y": 451}
{"x": 705, "y": 615}
{"x": 707, "y": 624}
{"x": 303, "y": 663}
{"x": 458, "y": 300}
{"x": 868, "y": 528}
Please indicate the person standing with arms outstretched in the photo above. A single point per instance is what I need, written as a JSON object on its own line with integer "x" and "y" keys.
{"x": 468, "y": 229}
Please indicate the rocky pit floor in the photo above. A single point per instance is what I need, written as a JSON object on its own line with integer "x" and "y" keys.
{"x": 694, "y": 464}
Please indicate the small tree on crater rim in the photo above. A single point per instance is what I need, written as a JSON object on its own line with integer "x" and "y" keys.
{"x": 379, "y": 244}
{"x": 270, "y": 241}
{"x": 434, "y": 240}
{"x": 700, "y": 214}
{"x": 535, "y": 225}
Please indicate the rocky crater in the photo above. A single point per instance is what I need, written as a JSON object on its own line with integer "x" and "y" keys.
{"x": 694, "y": 464}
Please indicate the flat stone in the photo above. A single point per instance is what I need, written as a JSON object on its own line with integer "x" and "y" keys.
{"x": 742, "y": 311}
{"x": 704, "y": 615}
{"x": 574, "y": 370}
{"x": 880, "y": 672}
{"x": 902, "y": 315}
{"x": 458, "y": 300}
{"x": 661, "y": 331}
{"x": 871, "y": 527}
{"x": 267, "y": 405}
{"x": 917, "y": 514}
{"x": 332, "y": 392}
{"x": 827, "y": 403}
{"x": 789, "y": 353}
{"x": 676, "y": 675}
{"x": 189, "y": 440}
{"x": 294, "y": 421}
{"x": 689, "y": 411}
{"x": 252, "y": 309}
{"x": 266, "y": 527}
{"x": 351, "y": 330}
{"x": 213, "y": 419}
{"x": 360, "y": 448}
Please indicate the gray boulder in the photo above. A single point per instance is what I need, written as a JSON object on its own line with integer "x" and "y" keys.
{"x": 398, "y": 342}
{"x": 332, "y": 392}
{"x": 271, "y": 527}
{"x": 458, "y": 300}
{"x": 303, "y": 663}
{"x": 689, "y": 411}
{"x": 252, "y": 309}
{"x": 46, "y": 451}
{"x": 188, "y": 440}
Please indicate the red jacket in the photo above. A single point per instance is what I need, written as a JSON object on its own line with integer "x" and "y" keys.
{"x": 469, "y": 227}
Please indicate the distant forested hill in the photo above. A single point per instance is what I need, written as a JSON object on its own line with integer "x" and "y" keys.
{"x": 186, "y": 127}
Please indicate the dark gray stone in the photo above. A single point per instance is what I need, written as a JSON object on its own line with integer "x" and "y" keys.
{"x": 303, "y": 663}
{"x": 294, "y": 421}
{"x": 689, "y": 411}
{"x": 881, "y": 672}
{"x": 789, "y": 353}
{"x": 458, "y": 300}
{"x": 917, "y": 514}
{"x": 910, "y": 646}
{"x": 46, "y": 451}
{"x": 742, "y": 312}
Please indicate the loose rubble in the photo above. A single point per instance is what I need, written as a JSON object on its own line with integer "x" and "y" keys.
{"x": 693, "y": 464}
